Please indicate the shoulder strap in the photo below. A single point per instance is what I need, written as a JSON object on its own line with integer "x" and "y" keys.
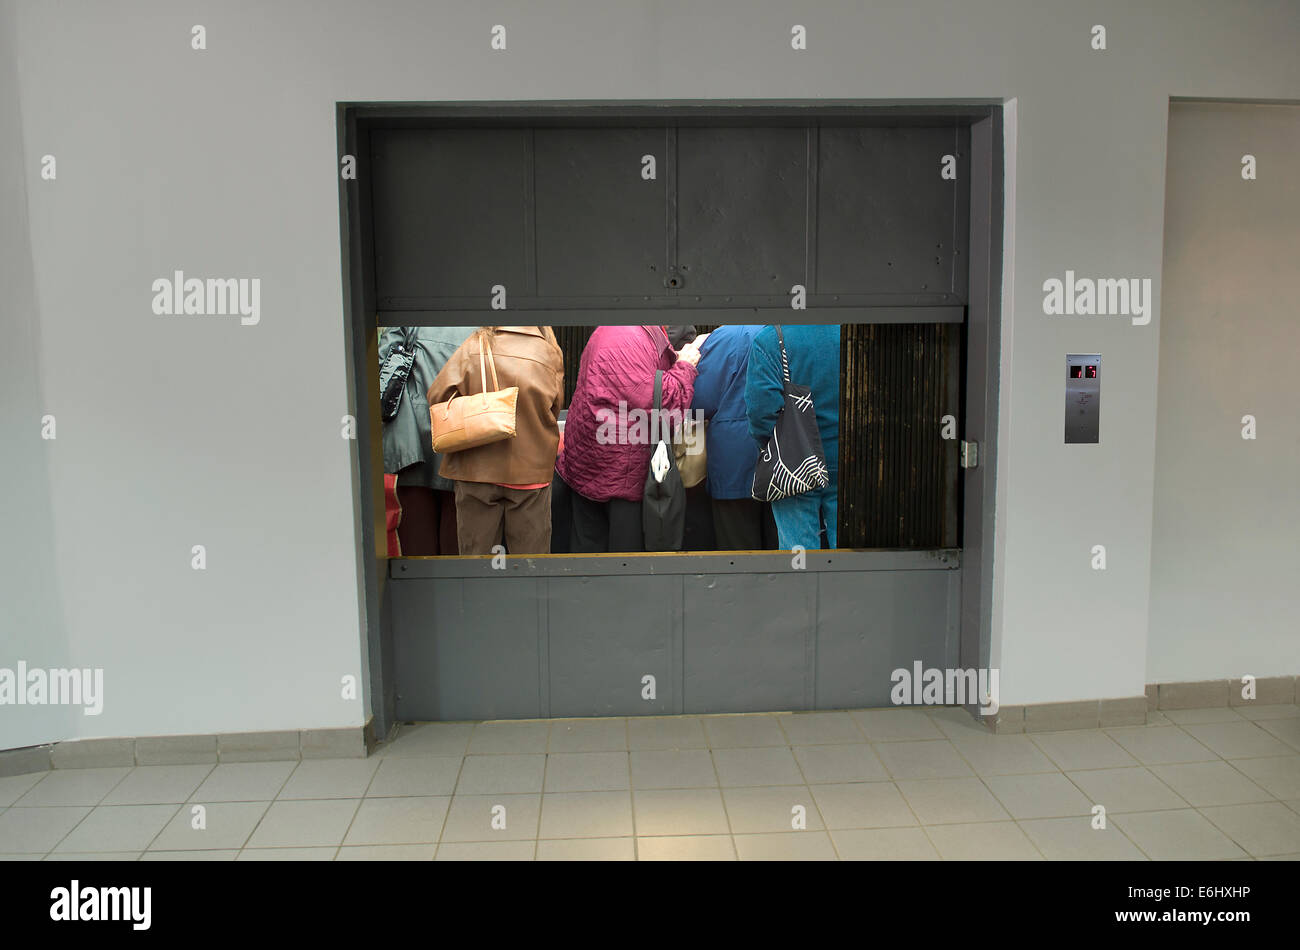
{"x": 657, "y": 426}
{"x": 785, "y": 362}
{"x": 485, "y": 345}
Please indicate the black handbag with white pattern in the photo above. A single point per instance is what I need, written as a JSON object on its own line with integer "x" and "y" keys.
{"x": 792, "y": 463}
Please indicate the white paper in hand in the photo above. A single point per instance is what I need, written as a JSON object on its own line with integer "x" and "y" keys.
{"x": 659, "y": 462}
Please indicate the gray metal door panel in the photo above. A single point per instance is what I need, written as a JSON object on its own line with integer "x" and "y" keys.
{"x": 741, "y": 209}
{"x": 514, "y": 647}
{"x": 600, "y": 225}
{"x": 450, "y": 212}
{"x": 886, "y": 220}
{"x": 605, "y": 634}
{"x": 468, "y": 648}
{"x": 871, "y": 624}
{"x": 747, "y": 639}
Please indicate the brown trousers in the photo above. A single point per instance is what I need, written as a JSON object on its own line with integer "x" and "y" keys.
{"x": 487, "y": 514}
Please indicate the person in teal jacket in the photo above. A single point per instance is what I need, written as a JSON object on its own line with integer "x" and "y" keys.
{"x": 428, "y": 501}
{"x": 814, "y": 355}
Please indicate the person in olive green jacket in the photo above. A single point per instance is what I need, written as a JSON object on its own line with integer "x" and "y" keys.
{"x": 428, "y": 501}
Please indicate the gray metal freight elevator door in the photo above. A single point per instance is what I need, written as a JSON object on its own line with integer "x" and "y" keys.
{"x": 708, "y": 221}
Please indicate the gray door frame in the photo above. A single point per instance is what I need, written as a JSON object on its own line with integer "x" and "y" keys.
{"x": 982, "y": 370}
{"x": 982, "y": 349}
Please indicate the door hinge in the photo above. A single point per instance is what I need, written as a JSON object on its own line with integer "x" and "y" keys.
{"x": 970, "y": 454}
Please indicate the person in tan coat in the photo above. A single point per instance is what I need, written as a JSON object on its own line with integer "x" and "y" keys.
{"x": 503, "y": 489}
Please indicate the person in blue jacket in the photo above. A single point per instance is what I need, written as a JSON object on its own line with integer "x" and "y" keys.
{"x": 739, "y": 522}
{"x": 814, "y": 355}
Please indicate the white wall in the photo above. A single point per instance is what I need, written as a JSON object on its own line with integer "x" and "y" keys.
{"x": 182, "y": 431}
{"x": 1225, "y": 560}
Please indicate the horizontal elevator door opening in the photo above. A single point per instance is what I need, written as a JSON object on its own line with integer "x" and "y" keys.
{"x": 898, "y": 476}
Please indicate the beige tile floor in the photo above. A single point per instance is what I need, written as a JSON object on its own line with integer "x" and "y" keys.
{"x": 902, "y": 784}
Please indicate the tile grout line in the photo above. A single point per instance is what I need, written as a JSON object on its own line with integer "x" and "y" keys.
{"x": 146, "y": 848}
{"x": 277, "y": 800}
{"x": 451, "y": 801}
{"x": 161, "y": 829}
{"x": 90, "y": 811}
{"x": 361, "y": 800}
{"x": 994, "y": 795}
{"x": 722, "y": 798}
{"x": 275, "y": 797}
{"x": 1227, "y": 833}
{"x": 631, "y": 795}
{"x": 925, "y": 831}
{"x": 1125, "y": 834}
{"x": 541, "y": 793}
{"x": 726, "y": 815}
{"x": 985, "y": 785}
{"x": 826, "y": 828}
{"x": 94, "y": 808}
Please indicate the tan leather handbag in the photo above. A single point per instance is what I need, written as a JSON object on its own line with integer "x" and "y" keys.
{"x": 693, "y": 463}
{"x": 466, "y": 422}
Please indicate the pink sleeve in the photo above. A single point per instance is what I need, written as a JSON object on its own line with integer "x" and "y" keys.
{"x": 679, "y": 387}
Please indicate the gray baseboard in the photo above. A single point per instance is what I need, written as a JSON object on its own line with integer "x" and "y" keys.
{"x": 358, "y": 742}
{"x": 1269, "y": 690}
{"x": 351, "y": 743}
{"x": 1132, "y": 710}
{"x": 21, "y": 761}
{"x": 1060, "y": 717}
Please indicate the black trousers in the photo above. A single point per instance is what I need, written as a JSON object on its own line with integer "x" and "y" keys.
{"x": 743, "y": 524}
{"x": 699, "y": 533}
{"x": 601, "y": 527}
{"x": 561, "y": 515}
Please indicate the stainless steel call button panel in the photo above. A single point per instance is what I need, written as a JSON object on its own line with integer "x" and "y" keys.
{"x": 1082, "y": 397}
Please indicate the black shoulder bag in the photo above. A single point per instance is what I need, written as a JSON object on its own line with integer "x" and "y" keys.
{"x": 393, "y": 374}
{"x": 663, "y": 507}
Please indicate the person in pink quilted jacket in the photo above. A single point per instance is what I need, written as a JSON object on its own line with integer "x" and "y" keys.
{"x": 604, "y": 462}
